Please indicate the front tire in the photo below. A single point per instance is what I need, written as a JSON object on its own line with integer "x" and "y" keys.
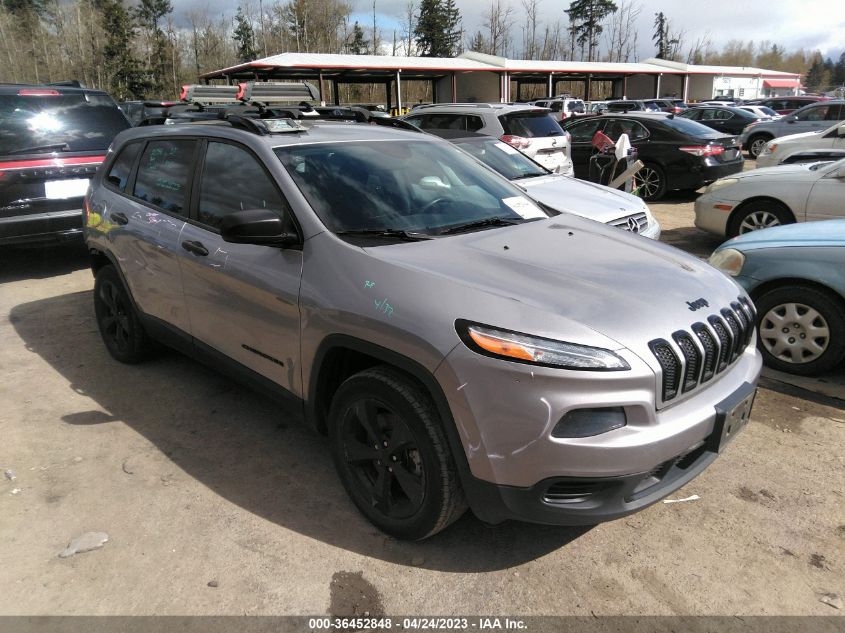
{"x": 801, "y": 330}
{"x": 756, "y": 144}
{"x": 757, "y": 215}
{"x": 392, "y": 456}
{"x": 117, "y": 320}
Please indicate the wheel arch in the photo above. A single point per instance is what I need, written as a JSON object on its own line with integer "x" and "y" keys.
{"x": 745, "y": 203}
{"x": 774, "y": 284}
{"x": 102, "y": 258}
{"x": 483, "y": 498}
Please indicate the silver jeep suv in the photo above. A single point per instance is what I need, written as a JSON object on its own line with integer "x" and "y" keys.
{"x": 459, "y": 344}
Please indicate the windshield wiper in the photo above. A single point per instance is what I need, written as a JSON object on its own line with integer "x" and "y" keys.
{"x": 42, "y": 148}
{"x": 477, "y": 224}
{"x": 401, "y": 234}
{"x": 523, "y": 176}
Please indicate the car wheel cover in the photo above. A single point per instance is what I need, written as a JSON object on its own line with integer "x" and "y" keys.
{"x": 114, "y": 321}
{"x": 757, "y": 146}
{"x": 794, "y": 333}
{"x": 648, "y": 182}
{"x": 382, "y": 459}
{"x": 757, "y": 220}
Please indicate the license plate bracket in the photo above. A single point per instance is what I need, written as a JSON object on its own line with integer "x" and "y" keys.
{"x": 732, "y": 415}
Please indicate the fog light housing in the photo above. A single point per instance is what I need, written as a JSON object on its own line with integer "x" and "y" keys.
{"x": 589, "y": 422}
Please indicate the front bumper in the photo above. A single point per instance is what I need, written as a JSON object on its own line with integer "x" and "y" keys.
{"x": 514, "y": 459}
{"x": 587, "y": 501}
{"x": 50, "y": 226}
{"x": 709, "y": 218}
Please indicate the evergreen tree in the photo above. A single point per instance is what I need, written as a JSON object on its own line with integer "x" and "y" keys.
{"x": 148, "y": 13}
{"x": 125, "y": 77}
{"x": 818, "y": 76}
{"x": 839, "y": 71}
{"x": 23, "y": 7}
{"x": 587, "y": 17}
{"x": 661, "y": 37}
{"x": 359, "y": 44}
{"x": 438, "y": 29}
{"x": 244, "y": 37}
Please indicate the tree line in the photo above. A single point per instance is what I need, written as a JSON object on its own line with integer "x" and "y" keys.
{"x": 141, "y": 49}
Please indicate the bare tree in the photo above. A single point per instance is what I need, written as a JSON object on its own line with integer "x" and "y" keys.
{"x": 529, "y": 30}
{"x": 409, "y": 24}
{"x": 621, "y": 31}
{"x": 498, "y": 22}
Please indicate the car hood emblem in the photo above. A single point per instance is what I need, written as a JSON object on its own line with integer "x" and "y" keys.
{"x": 697, "y": 304}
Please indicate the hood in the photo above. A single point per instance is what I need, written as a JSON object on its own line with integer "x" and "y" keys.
{"x": 588, "y": 200}
{"x": 828, "y": 233}
{"x": 571, "y": 271}
{"x": 780, "y": 171}
{"x": 796, "y": 137}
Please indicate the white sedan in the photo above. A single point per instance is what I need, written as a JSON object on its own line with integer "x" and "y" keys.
{"x": 771, "y": 196}
{"x": 779, "y": 149}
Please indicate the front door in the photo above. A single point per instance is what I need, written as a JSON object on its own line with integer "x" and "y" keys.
{"x": 826, "y": 196}
{"x": 243, "y": 299}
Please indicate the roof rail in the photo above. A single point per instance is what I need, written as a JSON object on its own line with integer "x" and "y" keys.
{"x": 449, "y": 105}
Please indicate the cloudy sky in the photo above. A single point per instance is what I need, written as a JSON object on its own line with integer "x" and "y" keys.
{"x": 811, "y": 24}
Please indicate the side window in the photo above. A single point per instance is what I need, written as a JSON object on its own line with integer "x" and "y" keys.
{"x": 835, "y": 113}
{"x": 584, "y": 132}
{"x": 694, "y": 114}
{"x": 122, "y": 166}
{"x": 474, "y": 123}
{"x": 233, "y": 180}
{"x": 445, "y": 122}
{"x": 415, "y": 120}
{"x": 708, "y": 115}
{"x": 817, "y": 113}
{"x": 163, "y": 174}
{"x": 723, "y": 115}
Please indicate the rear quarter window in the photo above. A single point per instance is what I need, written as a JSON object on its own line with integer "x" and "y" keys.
{"x": 685, "y": 127}
{"x": 121, "y": 168}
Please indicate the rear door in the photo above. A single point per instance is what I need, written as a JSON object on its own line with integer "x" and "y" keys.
{"x": 143, "y": 212}
{"x": 582, "y": 143}
{"x": 51, "y": 143}
{"x": 243, "y": 299}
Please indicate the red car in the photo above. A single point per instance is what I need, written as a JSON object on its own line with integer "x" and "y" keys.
{"x": 788, "y": 105}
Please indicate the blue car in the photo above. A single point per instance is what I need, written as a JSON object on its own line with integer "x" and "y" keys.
{"x": 796, "y": 276}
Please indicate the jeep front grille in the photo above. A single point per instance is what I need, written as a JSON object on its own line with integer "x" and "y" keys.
{"x": 705, "y": 352}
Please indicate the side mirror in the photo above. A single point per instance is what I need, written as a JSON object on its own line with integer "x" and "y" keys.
{"x": 840, "y": 131}
{"x": 256, "y": 226}
{"x": 840, "y": 173}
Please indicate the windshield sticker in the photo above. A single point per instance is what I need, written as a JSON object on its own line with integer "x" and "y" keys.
{"x": 507, "y": 149}
{"x": 524, "y": 207}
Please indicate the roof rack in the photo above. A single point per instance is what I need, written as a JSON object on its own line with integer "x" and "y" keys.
{"x": 462, "y": 105}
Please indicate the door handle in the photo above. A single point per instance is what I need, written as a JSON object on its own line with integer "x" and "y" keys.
{"x": 194, "y": 247}
{"x": 119, "y": 218}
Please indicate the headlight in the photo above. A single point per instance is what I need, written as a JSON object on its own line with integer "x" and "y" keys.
{"x": 523, "y": 348}
{"x": 728, "y": 260}
{"x": 719, "y": 184}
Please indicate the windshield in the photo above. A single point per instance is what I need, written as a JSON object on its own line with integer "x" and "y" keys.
{"x": 419, "y": 186}
{"x": 503, "y": 158}
{"x": 575, "y": 106}
{"x": 61, "y": 122}
{"x": 690, "y": 128}
{"x": 530, "y": 124}
{"x": 767, "y": 110}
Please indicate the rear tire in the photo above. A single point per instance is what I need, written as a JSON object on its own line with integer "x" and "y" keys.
{"x": 392, "y": 455}
{"x": 651, "y": 181}
{"x": 117, "y": 319}
{"x": 757, "y": 215}
{"x": 814, "y": 320}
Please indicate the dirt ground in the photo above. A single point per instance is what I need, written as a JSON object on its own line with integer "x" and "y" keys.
{"x": 215, "y": 501}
